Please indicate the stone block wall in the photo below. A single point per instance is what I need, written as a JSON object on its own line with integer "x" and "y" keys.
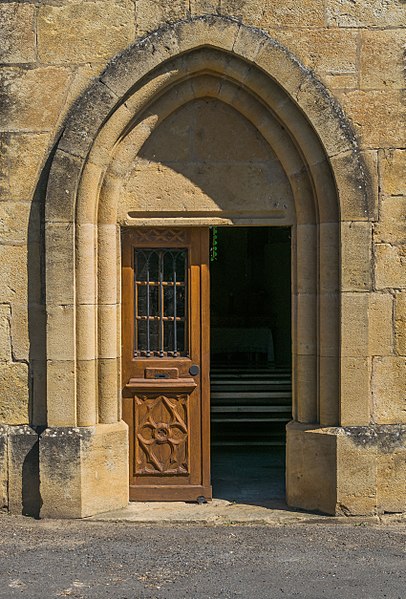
{"x": 49, "y": 52}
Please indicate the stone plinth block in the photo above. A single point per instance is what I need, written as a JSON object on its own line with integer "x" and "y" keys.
{"x": 371, "y": 469}
{"x": 84, "y": 470}
{"x": 352, "y": 470}
{"x": 311, "y": 468}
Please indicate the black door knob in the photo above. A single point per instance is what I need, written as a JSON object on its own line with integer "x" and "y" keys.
{"x": 194, "y": 370}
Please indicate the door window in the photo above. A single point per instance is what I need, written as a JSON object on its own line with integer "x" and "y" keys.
{"x": 160, "y": 303}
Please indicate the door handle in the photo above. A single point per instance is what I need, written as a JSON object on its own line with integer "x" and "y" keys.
{"x": 194, "y": 370}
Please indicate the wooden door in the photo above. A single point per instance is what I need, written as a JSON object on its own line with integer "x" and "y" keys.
{"x": 165, "y": 362}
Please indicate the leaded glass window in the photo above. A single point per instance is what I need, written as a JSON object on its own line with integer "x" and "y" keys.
{"x": 160, "y": 303}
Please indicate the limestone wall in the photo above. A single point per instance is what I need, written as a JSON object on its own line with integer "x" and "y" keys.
{"x": 50, "y": 50}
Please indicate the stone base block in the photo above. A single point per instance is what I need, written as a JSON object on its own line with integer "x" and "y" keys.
{"x": 84, "y": 471}
{"x": 358, "y": 470}
{"x": 19, "y": 470}
{"x": 311, "y": 468}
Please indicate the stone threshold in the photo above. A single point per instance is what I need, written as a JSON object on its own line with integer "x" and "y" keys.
{"x": 220, "y": 512}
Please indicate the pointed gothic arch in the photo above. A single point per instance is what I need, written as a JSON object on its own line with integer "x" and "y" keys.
{"x": 219, "y": 58}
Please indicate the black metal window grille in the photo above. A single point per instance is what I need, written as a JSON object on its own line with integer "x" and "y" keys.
{"x": 160, "y": 303}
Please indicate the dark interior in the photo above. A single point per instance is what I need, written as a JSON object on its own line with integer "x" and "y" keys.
{"x": 250, "y": 361}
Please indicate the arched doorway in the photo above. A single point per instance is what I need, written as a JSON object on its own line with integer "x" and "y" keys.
{"x": 94, "y": 191}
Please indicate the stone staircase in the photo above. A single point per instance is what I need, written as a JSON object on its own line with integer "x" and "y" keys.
{"x": 250, "y": 405}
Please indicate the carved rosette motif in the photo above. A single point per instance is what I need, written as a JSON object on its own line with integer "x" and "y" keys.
{"x": 161, "y": 435}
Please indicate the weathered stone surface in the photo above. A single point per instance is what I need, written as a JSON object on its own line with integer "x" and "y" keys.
{"x": 206, "y": 157}
{"x": 81, "y": 79}
{"x": 368, "y": 13}
{"x": 390, "y": 266}
{"x": 356, "y": 175}
{"x": 16, "y": 218}
{"x": 329, "y": 51}
{"x": 105, "y": 28}
{"x": 17, "y": 33}
{"x": 207, "y": 30}
{"x": 108, "y": 374}
{"x": 355, "y": 391}
{"x": 380, "y": 329}
{"x": 391, "y": 481}
{"x": 150, "y": 14}
{"x": 354, "y": 324}
{"x": 80, "y": 466}
{"x": 269, "y": 14}
{"x": 59, "y": 259}
{"x": 21, "y": 156}
{"x": 13, "y": 273}
{"x": 32, "y": 97}
{"x": 370, "y": 468}
{"x": 200, "y": 7}
{"x": 61, "y": 193}
{"x": 5, "y": 342}
{"x": 392, "y": 165}
{"x": 381, "y": 59}
{"x": 311, "y": 482}
{"x": 14, "y": 393}
{"x": 376, "y": 115}
{"x": 27, "y": 331}
{"x": 84, "y": 122}
{"x": 400, "y": 323}
{"x": 328, "y": 384}
{"x": 389, "y": 390}
{"x": 356, "y": 271}
{"x": 61, "y": 388}
{"x": 124, "y": 71}
{"x": 327, "y": 118}
{"x": 61, "y": 332}
{"x": 391, "y": 227}
{"x": 356, "y": 478}
{"x": 206, "y": 187}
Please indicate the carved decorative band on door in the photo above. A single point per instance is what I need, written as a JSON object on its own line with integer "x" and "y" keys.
{"x": 159, "y": 235}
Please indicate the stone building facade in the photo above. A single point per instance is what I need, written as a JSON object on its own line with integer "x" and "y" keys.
{"x": 302, "y": 106}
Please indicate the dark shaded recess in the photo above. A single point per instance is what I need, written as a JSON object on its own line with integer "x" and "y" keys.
{"x": 251, "y": 286}
{"x": 31, "y": 496}
{"x": 37, "y": 300}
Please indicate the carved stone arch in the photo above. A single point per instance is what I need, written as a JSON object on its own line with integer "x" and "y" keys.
{"x": 219, "y": 58}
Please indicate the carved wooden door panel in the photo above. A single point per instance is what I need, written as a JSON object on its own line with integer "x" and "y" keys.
{"x": 165, "y": 363}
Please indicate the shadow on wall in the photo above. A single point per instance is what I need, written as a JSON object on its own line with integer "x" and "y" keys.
{"x": 31, "y": 496}
{"x": 206, "y": 156}
{"x": 37, "y": 301}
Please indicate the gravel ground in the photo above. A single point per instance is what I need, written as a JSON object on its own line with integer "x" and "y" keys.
{"x": 100, "y": 560}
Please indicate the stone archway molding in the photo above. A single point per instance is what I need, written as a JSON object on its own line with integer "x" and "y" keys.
{"x": 84, "y": 451}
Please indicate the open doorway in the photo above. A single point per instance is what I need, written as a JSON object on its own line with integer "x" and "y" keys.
{"x": 251, "y": 391}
